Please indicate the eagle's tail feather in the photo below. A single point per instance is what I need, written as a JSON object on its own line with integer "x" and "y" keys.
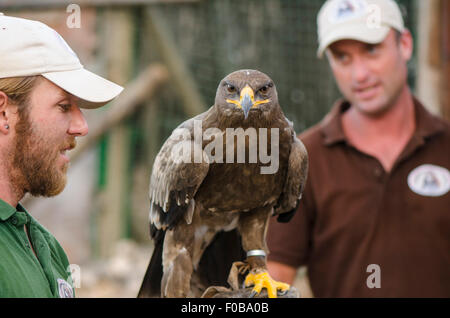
{"x": 151, "y": 284}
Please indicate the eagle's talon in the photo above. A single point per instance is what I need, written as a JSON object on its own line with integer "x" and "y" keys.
{"x": 243, "y": 269}
{"x": 263, "y": 280}
{"x": 253, "y": 294}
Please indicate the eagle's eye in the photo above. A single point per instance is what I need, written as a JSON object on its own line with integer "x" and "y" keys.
{"x": 265, "y": 88}
{"x": 231, "y": 88}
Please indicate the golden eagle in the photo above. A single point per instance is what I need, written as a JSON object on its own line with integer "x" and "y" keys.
{"x": 214, "y": 185}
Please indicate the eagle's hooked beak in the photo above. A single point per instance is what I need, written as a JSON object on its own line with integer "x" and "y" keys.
{"x": 247, "y": 100}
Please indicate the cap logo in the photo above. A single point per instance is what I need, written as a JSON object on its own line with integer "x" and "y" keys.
{"x": 347, "y": 9}
{"x": 429, "y": 180}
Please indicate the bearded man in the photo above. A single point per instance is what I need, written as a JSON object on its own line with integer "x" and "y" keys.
{"x": 42, "y": 88}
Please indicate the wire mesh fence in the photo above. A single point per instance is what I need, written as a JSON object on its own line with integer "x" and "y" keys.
{"x": 277, "y": 37}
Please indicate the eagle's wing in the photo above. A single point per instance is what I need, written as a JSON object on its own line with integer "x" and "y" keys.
{"x": 178, "y": 172}
{"x": 174, "y": 182}
{"x": 295, "y": 181}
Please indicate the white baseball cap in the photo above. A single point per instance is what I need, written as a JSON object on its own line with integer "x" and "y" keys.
{"x": 29, "y": 48}
{"x": 367, "y": 21}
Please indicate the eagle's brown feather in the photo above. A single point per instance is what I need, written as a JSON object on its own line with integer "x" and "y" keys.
{"x": 193, "y": 203}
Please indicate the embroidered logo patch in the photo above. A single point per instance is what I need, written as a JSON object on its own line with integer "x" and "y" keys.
{"x": 429, "y": 180}
{"x": 64, "y": 289}
{"x": 347, "y": 9}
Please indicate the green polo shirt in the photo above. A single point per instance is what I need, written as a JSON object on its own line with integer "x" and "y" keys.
{"x": 22, "y": 272}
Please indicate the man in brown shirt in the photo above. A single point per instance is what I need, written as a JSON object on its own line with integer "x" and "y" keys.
{"x": 374, "y": 220}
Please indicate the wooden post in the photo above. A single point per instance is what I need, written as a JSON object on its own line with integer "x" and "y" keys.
{"x": 20, "y": 4}
{"x": 140, "y": 203}
{"x": 429, "y": 57}
{"x": 445, "y": 87}
{"x": 118, "y": 45}
{"x": 193, "y": 103}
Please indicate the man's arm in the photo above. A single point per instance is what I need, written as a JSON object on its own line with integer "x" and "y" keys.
{"x": 282, "y": 272}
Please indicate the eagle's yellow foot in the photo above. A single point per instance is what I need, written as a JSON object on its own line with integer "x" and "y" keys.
{"x": 263, "y": 280}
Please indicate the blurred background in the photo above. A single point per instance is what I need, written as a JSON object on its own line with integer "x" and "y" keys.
{"x": 170, "y": 55}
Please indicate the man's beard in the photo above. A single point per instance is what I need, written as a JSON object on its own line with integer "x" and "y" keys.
{"x": 35, "y": 161}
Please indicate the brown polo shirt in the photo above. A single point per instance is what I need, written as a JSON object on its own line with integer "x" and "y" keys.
{"x": 354, "y": 214}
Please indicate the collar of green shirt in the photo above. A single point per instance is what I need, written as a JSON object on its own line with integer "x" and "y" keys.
{"x": 6, "y": 210}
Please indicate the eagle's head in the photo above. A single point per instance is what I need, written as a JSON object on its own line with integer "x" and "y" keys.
{"x": 245, "y": 92}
